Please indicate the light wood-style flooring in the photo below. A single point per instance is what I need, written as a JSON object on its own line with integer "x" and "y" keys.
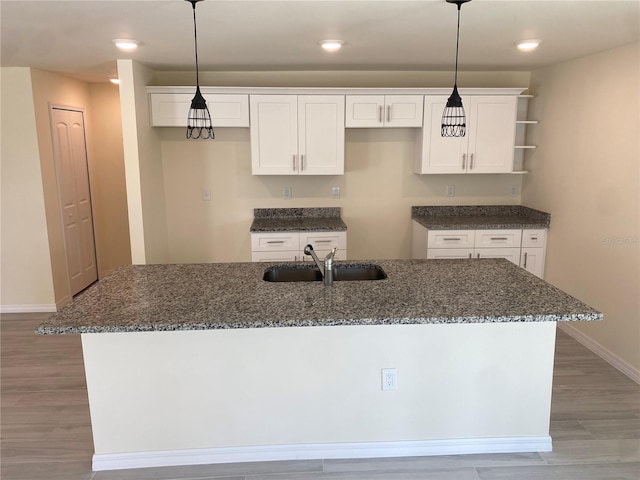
{"x": 46, "y": 429}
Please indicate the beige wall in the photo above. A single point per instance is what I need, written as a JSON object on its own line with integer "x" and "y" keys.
{"x": 26, "y": 276}
{"x": 143, "y": 167}
{"x": 107, "y": 179}
{"x": 377, "y": 192}
{"x": 586, "y": 173}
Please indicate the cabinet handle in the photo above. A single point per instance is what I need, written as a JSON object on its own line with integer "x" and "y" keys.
{"x": 469, "y": 255}
{"x": 323, "y": 241}
{"x": 380, "y": 114}
{"x": 471, "y": 162}
{"x": 525, "y": 260}
{"x": 275, "y": 241}
{"x": 294, "y": 162}
{"x": 478, "y": 256}
{"x": 499, "y": 238}
{"x": 533, "y": 239}
{"x": 451, "y": 239}
{"x": 388, "y": 113}
{"x": 464, "y": 160}
{"x": 301, "y": 162}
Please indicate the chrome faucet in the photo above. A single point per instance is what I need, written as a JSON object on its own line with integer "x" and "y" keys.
{"x": 326, "y": 266}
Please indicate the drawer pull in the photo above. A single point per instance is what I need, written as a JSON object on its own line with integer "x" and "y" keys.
{"x": 451, "y": 239}
{"x": 275, "y": 241}
{"x": 533, "y": 239}
{"x": 323, "y": 241}
{"x": 499, "y": 238}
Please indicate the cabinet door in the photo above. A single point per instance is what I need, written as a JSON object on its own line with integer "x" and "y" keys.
{"x": 274, "y": 134}
{"x": 171, "y": 109}
{"x": 403, "y": 110}
{"x": 532, "y": 260}
{"x": 438, "y": 154}
{"x": 364, "y": 111}
{"x": 511, "y": 254}
{"x": 491, "y": 128}
{"x": 449, "y": 253}
{"x": 321, "y": 134}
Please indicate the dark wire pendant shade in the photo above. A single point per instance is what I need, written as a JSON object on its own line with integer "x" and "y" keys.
{"x": 454, "y": 120}
{"x": 199, "y": 119}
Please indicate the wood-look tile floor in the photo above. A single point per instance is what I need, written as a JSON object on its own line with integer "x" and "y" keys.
{"x": 46, "y": 429}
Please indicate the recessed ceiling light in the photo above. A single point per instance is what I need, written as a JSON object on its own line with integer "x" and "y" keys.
{"x": 331, "y": 45}
{"x": 528, "y": 45}
{"x": 115, "y": 81}
{"x": 126, "y": 44}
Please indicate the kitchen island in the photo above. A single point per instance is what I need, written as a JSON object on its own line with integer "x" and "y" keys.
{"x": 208, "y": 363}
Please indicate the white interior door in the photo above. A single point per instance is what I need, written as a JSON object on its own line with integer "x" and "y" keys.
{"x": 70, "y": 156}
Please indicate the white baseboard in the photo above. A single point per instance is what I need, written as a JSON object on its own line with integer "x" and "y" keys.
{"x": 607, "y": 355}
{"x": 29, "y": 308}
{"x": 119, "y": 461}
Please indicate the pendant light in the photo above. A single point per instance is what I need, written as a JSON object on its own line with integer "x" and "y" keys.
{"x": 199, "y": 119}
{"x": 454, "y": 121}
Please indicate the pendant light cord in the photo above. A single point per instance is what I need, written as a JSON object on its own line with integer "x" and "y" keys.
{"x": 455, "y": 80}
{"x": 195, "y": 37}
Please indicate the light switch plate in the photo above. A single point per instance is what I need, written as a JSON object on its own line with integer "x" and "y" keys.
{"x": 286, "y": 193}
{"x": 206, "y": 194}
{"x": 335, "y": 192}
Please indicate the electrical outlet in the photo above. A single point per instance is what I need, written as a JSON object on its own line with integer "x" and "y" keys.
{"x": 335, "y": 192}
{"x": 451, "y": 190}
{"x": 514, "y": 190}
{"x": 286, "y": 193}
{"x": 389, "y": 379}
{"x": 206, "y": 194}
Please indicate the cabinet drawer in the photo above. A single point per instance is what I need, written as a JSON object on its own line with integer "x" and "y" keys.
{"x": 324, "y": 241}
{"x": 449, "y": 253}
{"x": 277, "y": 256}
{"x": 534, "y": 237}
{"x": 498, "y": 238}
{"x": 266, "y": 242}
{"x": 450, "y": 239}
{"x": 340, "y": 255}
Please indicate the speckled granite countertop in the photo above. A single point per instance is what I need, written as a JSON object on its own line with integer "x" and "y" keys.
{"x": 297, "y": 220}
{"x": 233, "y": 295}
{"x": 480, "y": 217}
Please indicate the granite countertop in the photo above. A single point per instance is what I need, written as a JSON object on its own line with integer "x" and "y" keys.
{"x": 297, "y": 220}
{"x": 233, "y": 295}
{"x": 480, "y": 217}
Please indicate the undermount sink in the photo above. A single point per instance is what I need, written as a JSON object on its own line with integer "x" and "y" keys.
{"x": 310, "y": 273}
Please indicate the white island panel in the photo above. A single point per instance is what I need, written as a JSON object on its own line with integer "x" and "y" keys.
{"x": 209, "y": 396}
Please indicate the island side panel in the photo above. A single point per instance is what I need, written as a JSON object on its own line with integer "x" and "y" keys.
{"x": 187, "y": 390}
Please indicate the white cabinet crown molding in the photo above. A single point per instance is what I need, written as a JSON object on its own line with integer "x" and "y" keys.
{"x": 334, "y": 90}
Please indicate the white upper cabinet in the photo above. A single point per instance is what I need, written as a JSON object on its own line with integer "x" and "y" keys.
{"x": 488, "y": 146}
{"x": 367, "y": 111}
{"x": 297, "y": 134}
{"x": 171, "y": 109}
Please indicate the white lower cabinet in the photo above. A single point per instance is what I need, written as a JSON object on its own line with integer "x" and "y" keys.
{"x": 525, "y": 248}
{"x": 289, "y": 246}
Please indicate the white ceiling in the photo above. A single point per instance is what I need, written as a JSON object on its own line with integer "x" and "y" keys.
{"x": 75, "y": 37}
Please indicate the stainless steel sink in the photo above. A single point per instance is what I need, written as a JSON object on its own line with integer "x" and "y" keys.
{"x": 310, "y": 273}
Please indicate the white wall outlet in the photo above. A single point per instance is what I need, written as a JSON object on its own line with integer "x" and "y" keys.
{"x": 451, "y": 190}
{"x": 514, "y": 190}
{"x": 389, "y": 379}
{"x": 286, "y": 193}
{"x": 335, "y": 192}
{"x": 206, "y": 194}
